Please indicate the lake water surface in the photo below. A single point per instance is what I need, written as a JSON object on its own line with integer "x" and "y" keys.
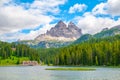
{"x": 39, "y": 73}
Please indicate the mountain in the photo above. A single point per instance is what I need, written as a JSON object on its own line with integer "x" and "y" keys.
{"x": 51, "y": 44}
{"x": 108, "y": 32}
{"x": 58, "y": 36}
{"x": 84, "y": 37}
{"x": 61, "y": 32}
{"x": 104, "y": 33}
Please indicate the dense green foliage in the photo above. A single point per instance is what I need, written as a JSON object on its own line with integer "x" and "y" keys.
{"x": 15, "y": 54}
{"x": 47, "y": 55}
{"x": 109, "y": 32}
{"x": 104, "y": 51}
{"x": 83, "y": 38}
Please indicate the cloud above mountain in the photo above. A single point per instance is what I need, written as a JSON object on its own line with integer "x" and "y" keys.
{"x": 92, "y": 24}
{"x": 77, "y": 8}
{"x": 104, "y": 14}
{"x": 110, "y": 7}
{"x": 15, "y": 17}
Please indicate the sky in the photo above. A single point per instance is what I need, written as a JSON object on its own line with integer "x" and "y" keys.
{"x": 26, "y": 19}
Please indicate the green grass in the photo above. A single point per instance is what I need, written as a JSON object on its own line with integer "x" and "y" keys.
{"x": 12, "y": 61}
{"x": 72, "y": 69}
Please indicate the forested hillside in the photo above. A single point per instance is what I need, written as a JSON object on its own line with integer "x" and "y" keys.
{"x": 47, "y": 55}
{"x": 11, "y": 53}
{"x": 104, "y": 51}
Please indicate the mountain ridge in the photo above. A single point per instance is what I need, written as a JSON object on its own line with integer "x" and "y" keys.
{"x": 58, "y": 36}
{"x": 61, "y": 32}
{"x": 104, "y": 33}
{"x": 62, "y": 35}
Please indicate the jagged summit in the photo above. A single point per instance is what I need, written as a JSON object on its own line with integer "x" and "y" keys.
{"x": 61, "y": 32}
{"x": 61, "y": 24}
{"x": 71, "y": 24}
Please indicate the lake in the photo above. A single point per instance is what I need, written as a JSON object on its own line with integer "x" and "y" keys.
{"x": 39, "y": 73}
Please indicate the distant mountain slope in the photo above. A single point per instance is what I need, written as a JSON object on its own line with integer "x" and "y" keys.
{"x": 109, "y": 32}
{"x": 84, "y": 37}
{"x": 51, "y": 44}
{"x": 104, "y": 33}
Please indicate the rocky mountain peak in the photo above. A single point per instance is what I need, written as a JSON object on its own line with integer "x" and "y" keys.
{"x": 61, "y": 32}
{"x": 74, "y": 29}
{"x": 71, "y": 24}
{"x": 60, "y": 24}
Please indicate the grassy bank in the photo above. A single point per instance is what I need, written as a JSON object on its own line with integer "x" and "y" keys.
{"x": 12, "y": 61}
{"x": 72, "y": 69}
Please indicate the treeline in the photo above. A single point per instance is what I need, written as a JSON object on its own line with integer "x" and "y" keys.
{"x": 11, "y": 50}
{"x": 105, "y": 51}
{"x": 47, "y": 55}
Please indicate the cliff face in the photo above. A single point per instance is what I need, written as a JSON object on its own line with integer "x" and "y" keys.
{"x": 61, "y": 32}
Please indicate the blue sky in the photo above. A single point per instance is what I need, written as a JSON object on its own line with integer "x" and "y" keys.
{"x": 26, "y": 19}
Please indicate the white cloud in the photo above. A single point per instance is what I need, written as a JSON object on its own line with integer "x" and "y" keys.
{"x": 4, "y": 1}
{"x": 111, "y": 7}
{"x": 114, "y": 7}
{"x": 23, "y": 36}
{"x": 91, "y": 24}
{"x": 14, "y": 17}
{"x": 44, "y": 6}
{"x": 77, "y": 8}
{"x": 99, "y": 9}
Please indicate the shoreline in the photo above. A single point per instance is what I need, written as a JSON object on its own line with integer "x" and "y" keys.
{"x": 64, "y": 66}
{"x": 16, "y": 65}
